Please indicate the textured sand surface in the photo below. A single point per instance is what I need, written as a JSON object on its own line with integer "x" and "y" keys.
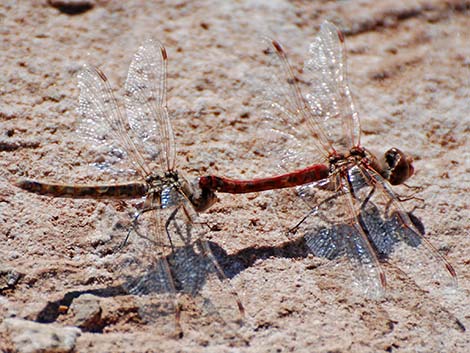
{"x": 409, "y": 65}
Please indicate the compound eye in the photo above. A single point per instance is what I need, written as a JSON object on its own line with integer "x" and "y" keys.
{"x": 392, "y": 157}
{"x": 399, "y": 166}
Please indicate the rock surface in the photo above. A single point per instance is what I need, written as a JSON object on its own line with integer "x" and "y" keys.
{"x": 32, "y": 337}
{"x": 87, "y": 312}
{"x": 409, "y": 68}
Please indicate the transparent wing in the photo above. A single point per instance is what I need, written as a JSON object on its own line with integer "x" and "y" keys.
{"x": 199, "y": 274}
{"x": 285, "y": 107}
{"x": 398, "y": 239}
{"x": 329, "y": 96}
{"x": 287, "y": 121}
{"x": 332, "y": 230}
{"x": 146, "y": 104}
{"x": 166, "y": 260}
{"x": 280, "y": 149}
{"x": 374, "y": 227}
{"x": 104, "y": 125}
{"x": 145, "y": 270}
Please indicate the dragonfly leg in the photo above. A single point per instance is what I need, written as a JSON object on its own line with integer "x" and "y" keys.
{"x": 409, "y": 197}
{"x": 294, "y": 229}
{"x": 167, "y": 225}
{"x": 171, "y": 218}
{"x": 133, "y": 227}
{"x": 314, "y": 210}
{"x": 367, "y": 199}
{"x": 192, "y": 221}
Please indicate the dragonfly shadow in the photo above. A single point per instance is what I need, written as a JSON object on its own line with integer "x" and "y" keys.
{"x": 324, "y": 242}
{"x": 382, "y": 234}
{"x": 189, "y": 269}
{"x": 245, "y": 258}
{"x": 183, "y": 262}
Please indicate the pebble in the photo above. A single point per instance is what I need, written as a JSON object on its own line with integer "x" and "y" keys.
{"x": 33, "y": 337}
{"x": 87, "y": 312}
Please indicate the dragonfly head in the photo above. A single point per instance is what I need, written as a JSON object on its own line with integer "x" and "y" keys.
{"x": 397, "y": 166}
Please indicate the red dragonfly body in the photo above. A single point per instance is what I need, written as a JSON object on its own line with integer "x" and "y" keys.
{"x": 362, "y": 207}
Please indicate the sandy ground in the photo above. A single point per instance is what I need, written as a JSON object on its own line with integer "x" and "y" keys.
{"x": 409, "y": 64}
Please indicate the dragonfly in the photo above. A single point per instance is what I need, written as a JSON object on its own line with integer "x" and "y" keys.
{"x": 360, "y": 215}
{"x": 141, "y": 143}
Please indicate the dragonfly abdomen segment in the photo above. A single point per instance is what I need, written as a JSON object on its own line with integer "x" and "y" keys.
{"x": 117, "y": 191}
{"x": 299, "y": 177}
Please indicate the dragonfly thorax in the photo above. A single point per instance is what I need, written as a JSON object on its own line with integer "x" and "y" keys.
{"x": 395, "y": 166}
{"x": 159, "y": 182}
{"x": 174, "y": 188}
{"x": 340, "y": 162}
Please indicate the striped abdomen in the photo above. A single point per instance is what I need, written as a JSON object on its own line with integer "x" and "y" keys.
{"x": 299, "y": 177}
{"x": 117, "y": 191}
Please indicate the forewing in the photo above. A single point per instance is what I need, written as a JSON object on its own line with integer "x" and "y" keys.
{"x": 104, "y": 126}
{"x": 200, "y": 276}
{"x": 146, "y": 104}
{"x": 329, "y": 96}
{"x": 280, "y": 149}
{"x": 285, "y": 107}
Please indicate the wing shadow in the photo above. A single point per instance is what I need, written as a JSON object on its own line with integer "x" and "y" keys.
{"x": 325, "y": 242}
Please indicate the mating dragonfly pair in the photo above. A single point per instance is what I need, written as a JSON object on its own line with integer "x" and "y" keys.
{"x": 361, "y": 218}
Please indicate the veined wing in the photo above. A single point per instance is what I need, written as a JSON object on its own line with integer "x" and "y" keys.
{"x": 372, "y": 228}
{"x": 169, "y": 259}
{"x": 401, "y": 242}
{"x": 146, "y": 104}
{"x": 145, "y": 270}
{"x": 288, "y": 110}
{"x": 103, "y": 123}
{"x": 329, "y": 97}
{"x": 334, "y": 229}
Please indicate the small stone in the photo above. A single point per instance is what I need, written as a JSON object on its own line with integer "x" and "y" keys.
{"x": 8, "y": 278}
{"x": 87, "y": 313}
{"x": 32, "y": 337}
